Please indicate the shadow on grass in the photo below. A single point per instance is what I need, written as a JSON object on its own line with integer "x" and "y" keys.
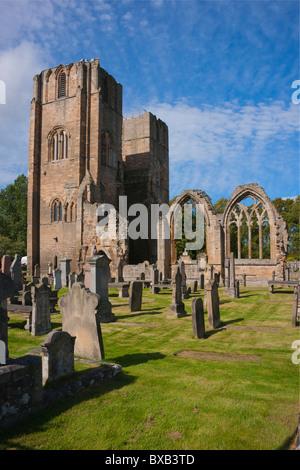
{"x": 17, "y": 324}
{"x": 139, "y": 358}
{"x": 38, "y": 421}
{"x": 146, "y": 311}
{"x": 289, "y": 441}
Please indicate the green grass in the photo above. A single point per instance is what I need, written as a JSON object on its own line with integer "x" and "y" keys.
{"x": 164, "y": 402}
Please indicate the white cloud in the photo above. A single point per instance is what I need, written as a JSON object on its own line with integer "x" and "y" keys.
{"x": 17, "y": 68}
{"x": 218, "y": 148}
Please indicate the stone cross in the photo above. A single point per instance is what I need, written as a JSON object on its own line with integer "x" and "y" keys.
{"x": 81, "y": 318}
{"x": 135, "y": 296}
{"x": 100, "y": 277}
{"x": 177, "y": 308}
{"x": 57, "y": 355}
{"x": 198, "y": 318}
{"x": 212, "y": 303}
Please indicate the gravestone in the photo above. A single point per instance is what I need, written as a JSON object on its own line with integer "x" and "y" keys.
{"x": 195, "y": 286}
{"x": 5, "y": 265}
{"x": 177, "y": 308}
{"x": 183, "y": 277}
{"x": 6, "y": 291}
{"x": 232, "y": 289}
{"x": 155, "y": 289}
{"x": 198, "y": 318}
{"x": 237, "y": 288}
{"x": 123, "y": 290}
{"x": 57, "y": 355}
{"x": 72, "y": 279}
{"x": 201, "y": 284}
{"x": 119, "y": 271}
{"x": 65, "y": 271}
{"x": 81, "y": 319}
{"x": 100, "y": 277}
{"x": 36, "y": 274}
{"x": 16, "y": 273}
{"x": 2, "y": 353}
{"x": 40, "y": 322}
{"x": 135, "y": 296}
{"x": 212, "y": 303}
{"x": 57, "y": 279}
{"x": 26, "y": 293}
{"x": 296, "y": 306}
{"x": 80, "y": 277}
{"x": 87, "y": 275}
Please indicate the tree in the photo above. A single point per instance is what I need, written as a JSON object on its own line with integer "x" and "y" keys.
{"x": 13, "y": 215}
{"x": 289, "y": 209}
{"x": 220, "y": 205}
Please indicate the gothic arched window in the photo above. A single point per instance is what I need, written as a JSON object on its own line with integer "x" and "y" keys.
{"x": 62, "y": 85}
{"x": 58, "y": 145}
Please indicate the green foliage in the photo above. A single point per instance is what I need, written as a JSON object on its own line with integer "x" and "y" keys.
{"x": 289, "y": 209}
{"x": 220, "y": 205}
{"x": 13, "y": 217}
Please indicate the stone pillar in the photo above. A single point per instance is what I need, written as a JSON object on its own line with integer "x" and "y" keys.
{"x": 65, "y": 270}
{"x": 198, "y": 318}
{"x": 100, "y": 277}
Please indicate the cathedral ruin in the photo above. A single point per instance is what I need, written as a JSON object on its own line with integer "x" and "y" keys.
{"x": 83, "y": 153}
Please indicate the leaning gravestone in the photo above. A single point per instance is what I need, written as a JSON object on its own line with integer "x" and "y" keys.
{"x": 212, "y": 303}
{"x": 135, "y": 296}
{"x": 198, "y": 318}
{"x": 81, "y": 318}
{"x": 57, "y": 355}
{"x": 16, "y": 273}
{"x": 40, "y": 322}
{"x": 6, "y": 291}
{"x": 177, "y": 306}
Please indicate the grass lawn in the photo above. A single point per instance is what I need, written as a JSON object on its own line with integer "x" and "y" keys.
{"x": 163, "y": 401}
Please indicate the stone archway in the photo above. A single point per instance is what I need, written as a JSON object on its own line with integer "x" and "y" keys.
{"x": 235, "y": 209}
{"x": 214, "y": 237}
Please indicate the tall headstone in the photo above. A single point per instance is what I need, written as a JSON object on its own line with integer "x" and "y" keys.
{"x": 81, "y": 318}
{"x": 201, "y": 284}
{"x": 119, "y": 271}
{"x": 65, "y": 266}
{"x": 232, "y": 289}
{"x": 72, "y": 279}
{"x": 135, "y": 296}
{"x": 100, "y": 277}
{"x": 177, "y": 308}
{"x": 57, "y": 279}
{"x": 198, "y": 318}
{"x": 2, "y": 353}
{"x": 16, "y": 273}
{"x": 40, "y": 323}
{"x": 87, "y": 275}
{"x": 6, "y": 291}
{"x": 5, "y": 265}
{"x": 57, "y": 355}
{"x": 295, "y": 312}
{"x": 155, "y": 289}
{"x": 212, "y": 304}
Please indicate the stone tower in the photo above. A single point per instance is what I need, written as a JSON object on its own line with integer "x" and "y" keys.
{"x": 75, "y": 146}
{"x": 82, "y": 154}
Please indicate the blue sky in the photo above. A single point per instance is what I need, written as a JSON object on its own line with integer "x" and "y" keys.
{"x": 219, "y": 73}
